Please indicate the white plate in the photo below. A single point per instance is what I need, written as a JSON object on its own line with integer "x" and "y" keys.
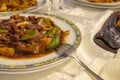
{"x": 99, "y": 5}
{"x": 37, "y": 64}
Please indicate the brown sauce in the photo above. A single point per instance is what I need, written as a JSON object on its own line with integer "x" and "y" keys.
{"x": 24, "y": 57}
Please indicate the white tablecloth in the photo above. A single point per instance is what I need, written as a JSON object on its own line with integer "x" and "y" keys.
{"x": 84, "y": 18}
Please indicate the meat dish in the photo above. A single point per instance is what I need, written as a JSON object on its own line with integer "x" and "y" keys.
{"x": 25, "y": 37}
{"x": 15, "y": 5}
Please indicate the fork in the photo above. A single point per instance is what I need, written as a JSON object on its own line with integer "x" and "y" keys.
{"x": 70, "y": 51}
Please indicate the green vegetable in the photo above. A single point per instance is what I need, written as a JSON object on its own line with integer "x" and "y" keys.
{"x": 55, "y": 42}
{"x": 3, "y": 31}
{"x": 30, "y": 34}
{"x": 52, "y": 31}
{"x": 47, "y": 21}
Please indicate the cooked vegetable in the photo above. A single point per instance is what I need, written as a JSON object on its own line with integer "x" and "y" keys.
{"x": 22, "y": 23}
{"x": 52, "y": 31}
{"x": 55, "y": 42}
{"x": 3, "y": 31}
{"x": 30, "y": 34}
{"x": 7, "y": 51}
{"x": 47, "y": 21}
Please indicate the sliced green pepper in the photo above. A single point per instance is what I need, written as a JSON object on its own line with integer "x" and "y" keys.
{"x": 52, "y": 31}
{"x": 3, "y": 31}
{"x": 47, "y": 21}
{"x": 55, "y": 42}
{"x": 30, "y": 34}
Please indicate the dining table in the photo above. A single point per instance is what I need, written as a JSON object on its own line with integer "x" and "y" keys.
{"x": 88, "y": 19}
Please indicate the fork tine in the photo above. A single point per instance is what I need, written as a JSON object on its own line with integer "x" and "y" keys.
{"x": 63, "y": 48}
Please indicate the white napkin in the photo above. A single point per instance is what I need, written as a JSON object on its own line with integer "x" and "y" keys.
{"x": 96, "y": 66}
{"x": 111, "y": 70}
{"x": 73, "y": 71}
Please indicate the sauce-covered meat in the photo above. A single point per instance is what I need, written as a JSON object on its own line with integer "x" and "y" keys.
{"x": 22, "y": 36}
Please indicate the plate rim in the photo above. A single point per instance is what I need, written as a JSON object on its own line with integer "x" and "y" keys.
{"x": 96, "y": 5}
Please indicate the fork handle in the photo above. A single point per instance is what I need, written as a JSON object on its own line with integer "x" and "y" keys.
{"x": 92, "y": 74}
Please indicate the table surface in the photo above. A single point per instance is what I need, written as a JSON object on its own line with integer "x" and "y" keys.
{"x": 68, "y": 70}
